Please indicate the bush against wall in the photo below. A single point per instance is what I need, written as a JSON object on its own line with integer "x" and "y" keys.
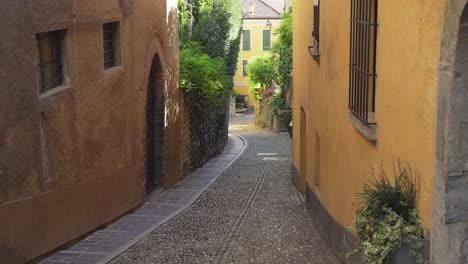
{"x": 216, "y": 25}
{"x": 202, "y": 78}
{"x": 209, "y": 47}
{"x": 282, "y": 49}
{"x": 261, "y": 71}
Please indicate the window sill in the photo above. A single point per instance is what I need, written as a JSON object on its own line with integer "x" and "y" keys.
{"x": 54, "y": 91}
{"x": 368, "y": 131}
{"x": 49, "y": 99}
{"x": 314, "y": 53}
{"x": 113, "y": 69}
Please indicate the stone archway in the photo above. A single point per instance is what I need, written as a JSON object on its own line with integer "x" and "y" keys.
{"x": 450, "y": 212}
{"x": 154, "y": 143}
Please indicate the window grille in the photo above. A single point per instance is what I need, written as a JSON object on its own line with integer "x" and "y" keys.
{"x": 362, "y": 67}
{"x": 246, "y": 40}
{"x": 266, "y": 39}
{"x": 109, "y": 31}
{"x": 50, "y": 53}
{"x": 316, "y": 29}
{"x": 244, "y": 67}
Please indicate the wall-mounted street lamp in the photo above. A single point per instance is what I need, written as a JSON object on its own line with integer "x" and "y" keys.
{"x": 269, "y": 25}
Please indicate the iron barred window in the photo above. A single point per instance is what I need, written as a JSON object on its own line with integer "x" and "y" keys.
{"x": 246, "y": 40}
{"x": 316, "y": 27}
{"x": 50, "y": 53}
{"x": 362, "y": 65}
{"x": 109, "y": 31}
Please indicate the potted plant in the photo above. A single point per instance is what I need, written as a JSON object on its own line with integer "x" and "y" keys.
{"x": 388, "y": 227}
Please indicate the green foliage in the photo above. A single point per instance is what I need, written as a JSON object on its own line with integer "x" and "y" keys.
{"x": 285, "y": 31}
{"x": 231, "y": 58}
{"x": 216, "y": 26}
{"x": 285, "y": 68}
{"x": 282, "y": 48}
{"x": 202, "y": 78}
{"x": 275, "y": 103}
{"x": 185, "y": 19}
{"x": 261, "y": 71}
{"x": 386, "y": 216}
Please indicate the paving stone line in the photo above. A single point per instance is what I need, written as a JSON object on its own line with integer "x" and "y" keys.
{"x": 222, "y": 252}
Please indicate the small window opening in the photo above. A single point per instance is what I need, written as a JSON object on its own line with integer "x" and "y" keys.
{"x": 362, "y": 60}
{"x": 111, "y": 44}
{"x": 51, "y": 58}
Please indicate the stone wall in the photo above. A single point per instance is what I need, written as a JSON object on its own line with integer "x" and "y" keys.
{"x": 204, "y": 135}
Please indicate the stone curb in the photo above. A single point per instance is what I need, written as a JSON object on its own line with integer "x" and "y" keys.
{"x": 179, "y": 211}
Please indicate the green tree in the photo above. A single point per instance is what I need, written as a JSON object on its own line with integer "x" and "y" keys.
{"x": 216, "y": 25}
{"x": 284, "y": 31}
{"x": 203, "y": 79}
{"x": 261, "y": 71}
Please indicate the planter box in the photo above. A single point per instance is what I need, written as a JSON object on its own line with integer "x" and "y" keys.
{"x": 402, "y": 255}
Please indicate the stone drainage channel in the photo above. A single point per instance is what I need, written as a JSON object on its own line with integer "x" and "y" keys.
{"x": 104, "y": 245}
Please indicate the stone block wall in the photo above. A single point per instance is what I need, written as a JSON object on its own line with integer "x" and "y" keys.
{"x": 204, "y": 135}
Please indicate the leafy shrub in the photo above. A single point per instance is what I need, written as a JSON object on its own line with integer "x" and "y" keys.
{"x": 261, "y": 71}
{"x": 276, "y": 103}
{"x": 386, "y": 216}
{"x": 282, "y": 48}
{"x": 202, "y": 78}
{"x": 285, "y": 30}
{"x": 216, "y": 24}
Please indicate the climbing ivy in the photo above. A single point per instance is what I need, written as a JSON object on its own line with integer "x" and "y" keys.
{"x": 282, "y": 49}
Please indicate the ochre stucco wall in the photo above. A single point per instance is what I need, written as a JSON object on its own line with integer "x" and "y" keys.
{"x": 93, "y": 129}
{"x": 407, "y": 64}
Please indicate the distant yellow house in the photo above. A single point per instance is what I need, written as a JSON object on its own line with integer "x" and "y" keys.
{"x": 375, "y": 81}
{"x": 260, "y": 19}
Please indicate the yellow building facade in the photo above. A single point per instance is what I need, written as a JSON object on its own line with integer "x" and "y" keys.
{"x": 407, "y": 102}
{"x": 260, "y": 22}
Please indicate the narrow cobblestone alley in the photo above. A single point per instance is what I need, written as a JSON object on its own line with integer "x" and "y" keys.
{"x": 251, "y": 215}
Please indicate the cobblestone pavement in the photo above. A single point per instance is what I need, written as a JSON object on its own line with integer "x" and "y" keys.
{"x": 251, "y": 215}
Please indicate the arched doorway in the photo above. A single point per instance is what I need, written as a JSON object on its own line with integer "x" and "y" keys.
{"x": 450, "y": 212}
{"x": 155, "y": 148}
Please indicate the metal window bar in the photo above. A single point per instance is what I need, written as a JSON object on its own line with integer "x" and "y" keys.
{"x": 362, "y": 59}
{"x": 316, "y": 26}
{"x": 49, "y": 60}
{"x": 108, "y": 31}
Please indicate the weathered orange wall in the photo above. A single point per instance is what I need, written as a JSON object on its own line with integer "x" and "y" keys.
{"x": 407, "y": 63}
{"x": 94, "y": 127}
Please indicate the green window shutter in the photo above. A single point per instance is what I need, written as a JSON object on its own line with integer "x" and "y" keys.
{"x": 246, "y": 40}
{"x": 266, "y": 39}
